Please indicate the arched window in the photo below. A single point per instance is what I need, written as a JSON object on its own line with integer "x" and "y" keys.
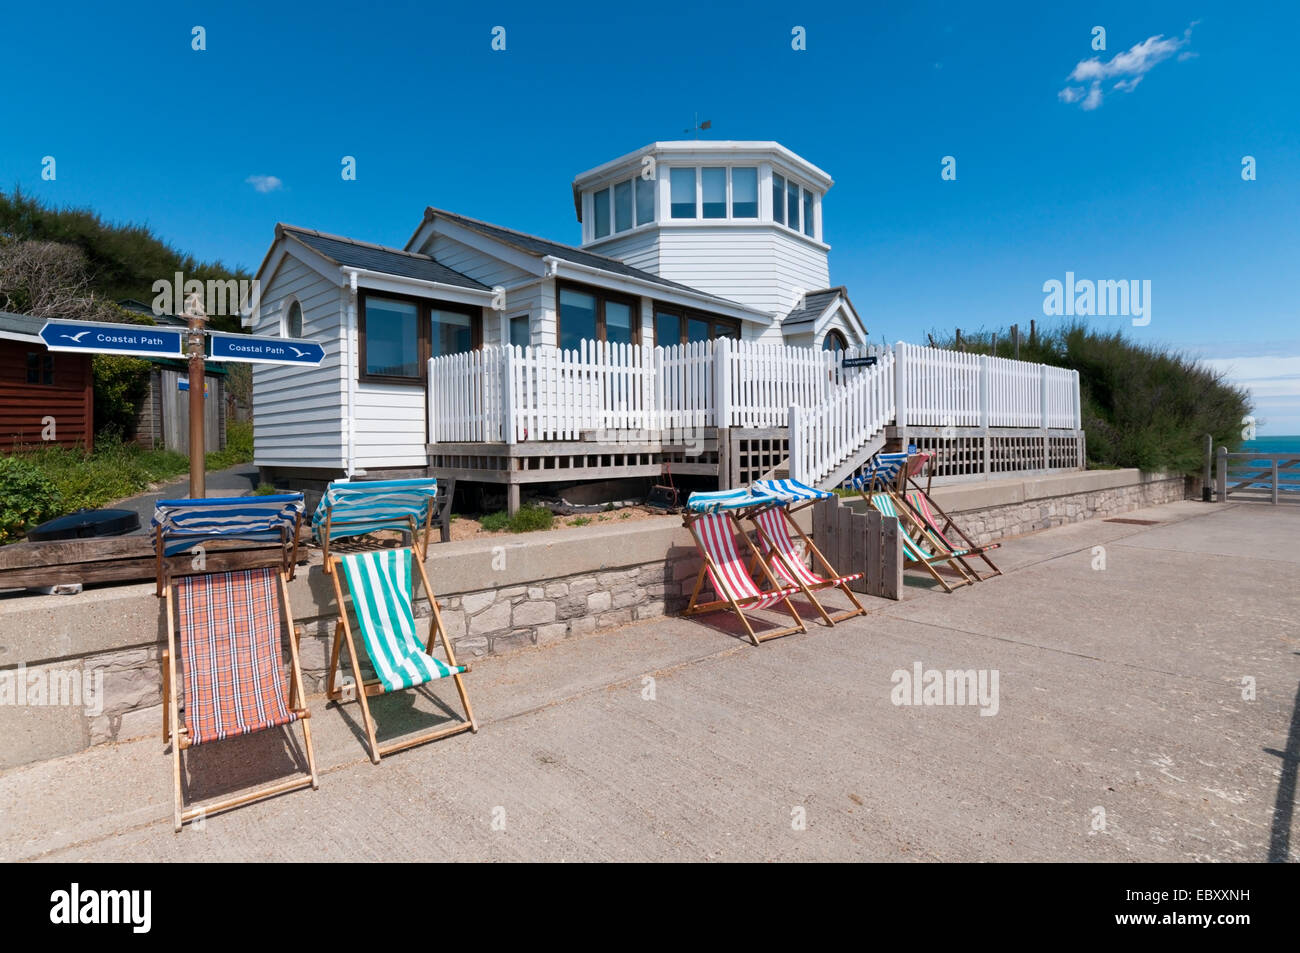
{"x": 834, "y": 341}
{"x": 292, "y": 327}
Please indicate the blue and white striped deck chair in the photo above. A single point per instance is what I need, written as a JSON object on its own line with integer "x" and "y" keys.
{"x": 919, "y": 546}
{"x": 382, "y": 587}
{"x": 357, "y": 508}
{"x": 180, "y": 526}
{"x": 880, "y": 472}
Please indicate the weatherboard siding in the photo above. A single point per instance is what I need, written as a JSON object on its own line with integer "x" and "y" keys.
{"x": 391, "y": 426}
{"x": 24, "y": 406}
{"x": 298, "y": 411}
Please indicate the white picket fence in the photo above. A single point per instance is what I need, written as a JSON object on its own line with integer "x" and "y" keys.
{"x": 827, "y": 435}
{"x": 513, "y": 394}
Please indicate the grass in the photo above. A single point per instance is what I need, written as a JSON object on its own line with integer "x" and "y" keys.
{"x": 529, "y": 519}
{"x": 580, "y": 521}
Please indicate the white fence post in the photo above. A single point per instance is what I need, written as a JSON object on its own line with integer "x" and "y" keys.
{"x": 900, "y": 384}
{"x": 1078, "y": 404}
{"x": 1042, "y": 396}
{"x": 431, "y": 394}
{"x": 722, "y": 383}
{"x": 508, "y": 395}
{"x": 984, "y": 391}
{"x": 795, "y": 441}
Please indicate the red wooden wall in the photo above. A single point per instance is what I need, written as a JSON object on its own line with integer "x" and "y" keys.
{"x": 69, "y": 400}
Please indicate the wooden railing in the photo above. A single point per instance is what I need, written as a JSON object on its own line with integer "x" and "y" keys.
{"x": 1266, "y": 477}
{"x": 829, "y": 434}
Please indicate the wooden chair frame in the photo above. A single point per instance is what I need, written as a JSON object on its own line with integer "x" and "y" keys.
{"x": 949, "y": 525}
{"x": 833, "y": 581}
{"x": 368, "y": 687}
{"x": 940, "y": 553}
{"x": 179, "y": 738}
{"x": 695, "y": 607}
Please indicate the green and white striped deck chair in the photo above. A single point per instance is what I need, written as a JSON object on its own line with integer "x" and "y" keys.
{"x": 919, "y": 546}
{"x": 382, "y": 587}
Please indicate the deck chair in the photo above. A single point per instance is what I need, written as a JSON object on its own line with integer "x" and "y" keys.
{"x": 351, "y": 508}
{"x": 226, "y": 630}
{"x": 919, "y": 547}
{"x": 941, "y": 524}
{"x": 382, "y": 587}
{"x": 774, "y": 524}
{"x": 712, "y": 521}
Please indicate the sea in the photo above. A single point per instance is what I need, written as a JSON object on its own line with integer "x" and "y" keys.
{"x": 1271, "y": 445}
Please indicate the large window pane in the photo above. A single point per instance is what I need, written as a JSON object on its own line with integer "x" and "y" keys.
{"x": 723, "y": 330}
{"x": 668, "y": 329}
{"x": 713, "y": 183}
{"x": 577, "y": 318}
{"x": 519, "y": 333}
{"x": 618, "y": 322}
{"x": 792, "y": 210}
{"x": 683, "y": 193}
{"x": 645, "y": 200}
{"x": 392, "y": 338}
{"x": 778, "y": 199}
{"x": 744, "y": 193}
{"x": 697, "y": 329}
{"x": 600, "y": 212}
{"x": 623, "y": 206}
{"x": 453, "y": 332}
{"x": 808, "y": 228}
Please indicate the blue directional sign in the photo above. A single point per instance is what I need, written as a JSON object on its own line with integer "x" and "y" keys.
{"x": 93, "y": 337}
{"x": 264, "y": 350}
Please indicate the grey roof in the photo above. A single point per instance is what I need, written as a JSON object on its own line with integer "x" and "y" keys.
{"x": 390, "y": 261}
{"x": 539, "y": 247}
{"x": 139, "y": 307}
{"x": 814, "y": 303}
{"x": 20, "y": 323}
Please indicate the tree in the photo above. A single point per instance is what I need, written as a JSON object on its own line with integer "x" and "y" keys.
{"x": 49, "y": 280}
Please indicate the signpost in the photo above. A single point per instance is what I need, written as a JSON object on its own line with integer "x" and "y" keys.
{"x": 140, "y": 340}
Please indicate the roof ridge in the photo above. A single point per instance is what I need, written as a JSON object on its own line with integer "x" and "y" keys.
{"x": 536, "y": 238}
{"x": 356, "y": 241}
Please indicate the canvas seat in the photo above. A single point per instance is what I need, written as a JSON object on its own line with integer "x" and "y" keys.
{"x": 941, "y": 524}
{"x": 919, "y": 547}
{"x": 226, "y": 629}
{"x": 351, "y": 508}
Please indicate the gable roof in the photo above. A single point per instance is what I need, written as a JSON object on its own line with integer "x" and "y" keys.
{"x": 350, "y": 253}
{"x": 815, "y": 304}
{"x": 542, "y": 247}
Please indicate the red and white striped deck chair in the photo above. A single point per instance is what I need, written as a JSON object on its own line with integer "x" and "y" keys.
{"x": 229, "y": 628}
{"x": 711, "y": 519}
{"x": 787, "y": 562}
{"x": 940, "y": 524}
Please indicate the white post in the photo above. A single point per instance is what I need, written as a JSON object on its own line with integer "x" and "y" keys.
{"x": 900, "y": 385}
{"x": 722, "y": 382}
{"x": 1078, "y": 404}
{"x": 1042, "y": 396}
{"x": 984, "y": 391}
{"x": 796, "y": 455}
{"x": 508, "y": 394}
{"x": 432, "y": 402}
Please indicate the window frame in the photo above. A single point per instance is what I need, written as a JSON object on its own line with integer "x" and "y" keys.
{"x": 45, "y": 368}
{"x": 601, "y": 295}
{"x": 423, "y": 333}
{"x": 285, "y": 326}
{"x": 686, "y": 314}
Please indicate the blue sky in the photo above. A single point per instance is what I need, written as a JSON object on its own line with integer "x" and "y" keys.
{"x": 1122, "y": 183}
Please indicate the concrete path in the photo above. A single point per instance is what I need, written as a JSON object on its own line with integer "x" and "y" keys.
{"x": 238, "y": 480}
{"x": 1120, "y": 733}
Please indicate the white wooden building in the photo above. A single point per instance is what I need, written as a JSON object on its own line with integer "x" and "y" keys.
{"x": 688, "y": 327}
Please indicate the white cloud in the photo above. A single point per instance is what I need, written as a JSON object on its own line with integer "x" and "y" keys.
{"x": 1127, "y": 68}
{"x": 1274, "y": 385}
{"x": 265, "y": 183}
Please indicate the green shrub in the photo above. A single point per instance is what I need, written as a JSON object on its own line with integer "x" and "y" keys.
{"x": 239, "y": 446}
{"x": 27, "y": 497}
{"x": 580, "y": 521}
{"x": 495, "y": 522}
{"x": 121, "y": 385}
{"x": 531, "y": 518}
{"x": 265, "y": 489}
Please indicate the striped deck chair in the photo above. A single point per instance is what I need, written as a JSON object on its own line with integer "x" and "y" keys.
{"x": 940, "y": 524}
{"x": 711, "y": 519}
{"x": 352, "y": 508}
{"x": 229, "y": 627}
{"x": 880, "y": 472}
{"x": 919, "y": 547}
{"x": 382, "y": 587}
{"x": 774, "y": 524}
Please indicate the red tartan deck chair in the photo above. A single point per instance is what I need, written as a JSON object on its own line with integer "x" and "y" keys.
{"x": 226, "y": 630}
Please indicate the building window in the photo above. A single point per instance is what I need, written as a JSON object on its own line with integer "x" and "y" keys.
{"x": 808, "y": 228}
{"x": 645, "y": 200}
{"x": 292, "y": 322}
{"x": 778, "y": 199}
{"x": 792, "y": 207}
{"x": 834, "y": 341}
{"x": 520, "y": 335}
{"x": 398, "y": 335}
{"x": 713, "y": 188}
{"x": 623, "y": 206}
{"x": 682, "y": 182}
{"x": 40, "y": 368}
{"x": 673, "y": 326}
{"x": 744, "y": 193}
{"x": 600, "y": 213}
{"x": 594, "y": 315}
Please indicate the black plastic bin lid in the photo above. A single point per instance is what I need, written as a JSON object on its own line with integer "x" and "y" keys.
{"x": 84, "y": 524}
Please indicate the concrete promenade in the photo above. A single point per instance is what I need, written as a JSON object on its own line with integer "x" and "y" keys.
{"x": 1120, "y": 734}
